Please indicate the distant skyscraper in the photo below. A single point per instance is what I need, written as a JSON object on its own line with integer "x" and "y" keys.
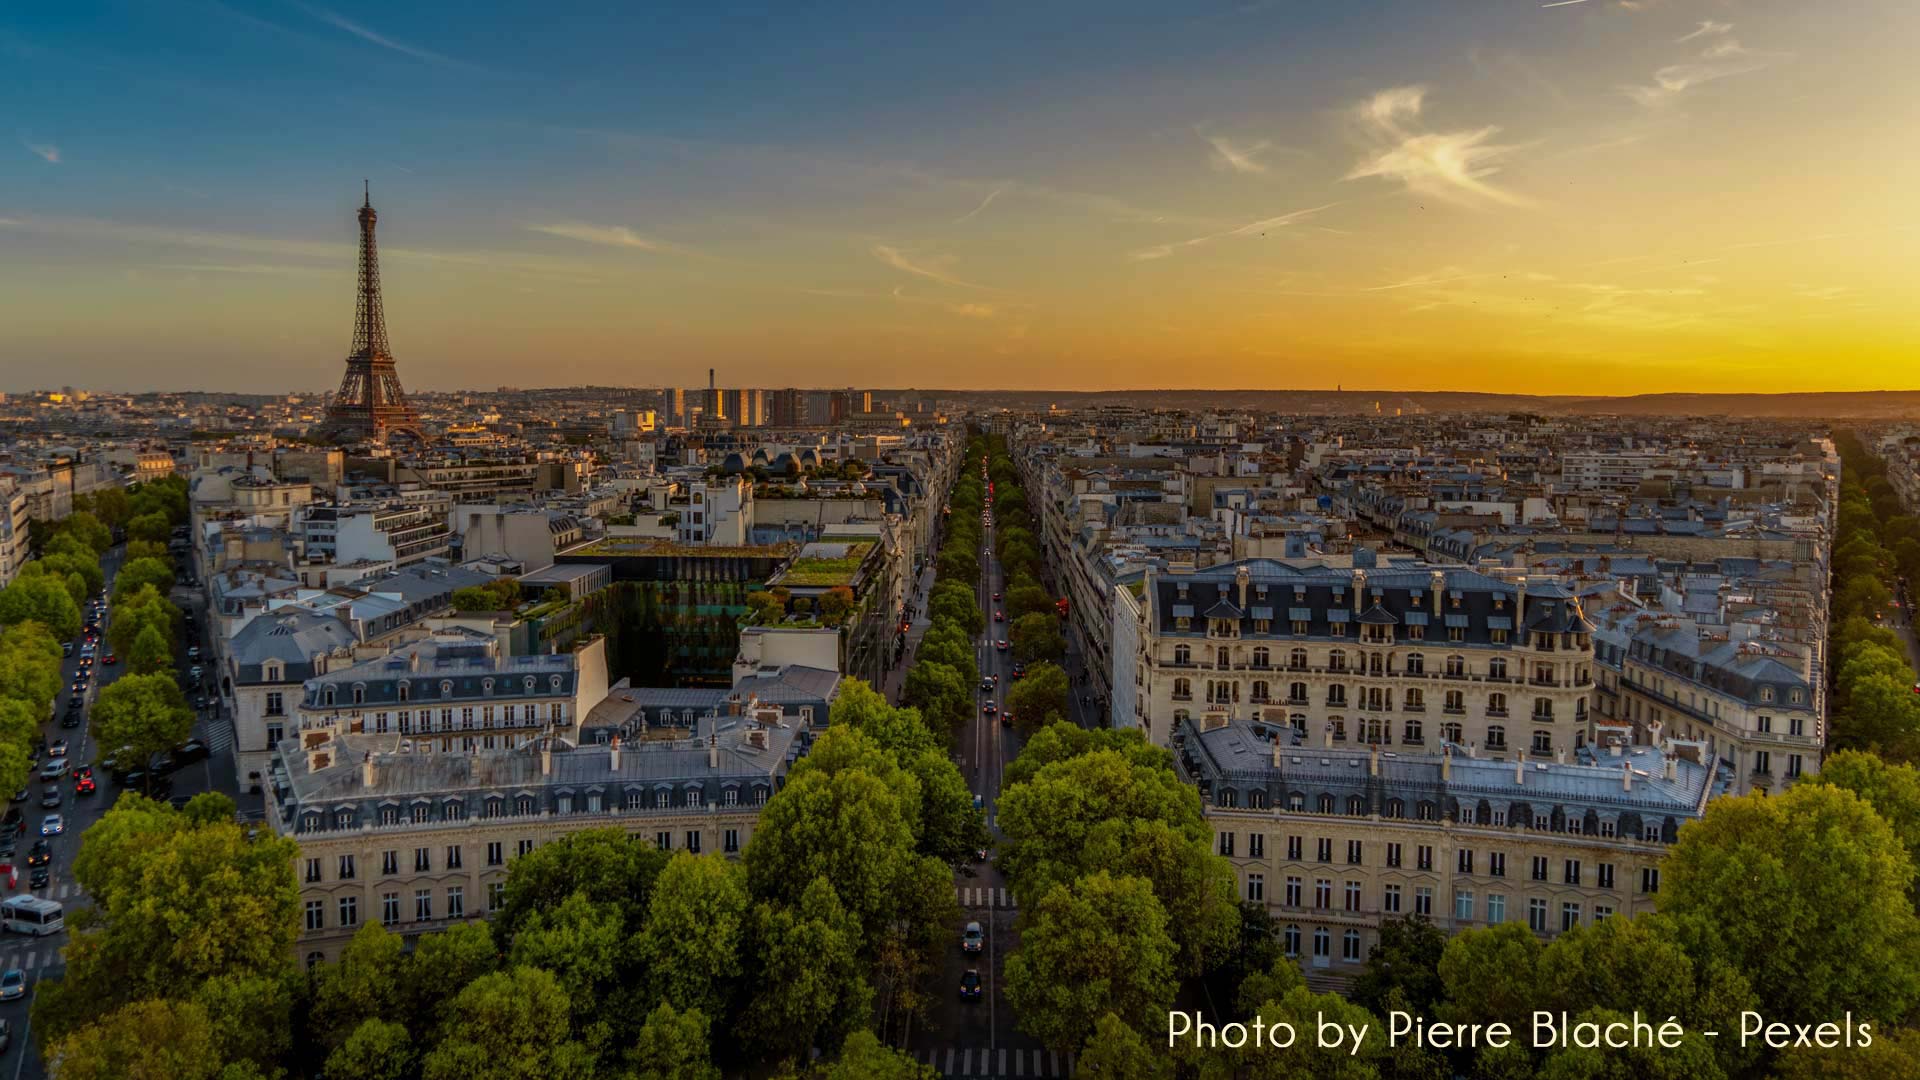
{"x": 370, "y": 406}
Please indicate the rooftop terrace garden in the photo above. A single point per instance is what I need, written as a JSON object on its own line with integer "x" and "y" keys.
{"x": 816, "y": 572}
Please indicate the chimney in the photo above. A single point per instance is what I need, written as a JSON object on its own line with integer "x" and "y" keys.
{"x": 1519, "y": 768}
{"x": 1276, "y": 751}
{"x": 1626, "y": 776}
{"x": 1439, "y": 583}
{"x": 1520, "y": 606}
{"x": 1373, "y": 760}
{"x": 613, "y": 755}
{"x": 1673, "y": 768}
{"x": 1326, "y": 735}
{"x": 1240, "y": 577}
{"x": 369, "y": 772}
{"x": 1359, "y": 587}
{"x": 713, "y": 750}
{"x": 1446, "y": 762}
{"x": 546, "y": 755}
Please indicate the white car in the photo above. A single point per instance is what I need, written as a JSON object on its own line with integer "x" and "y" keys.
{"x": 54, "y": 769}
{"x": 52, "y": 825}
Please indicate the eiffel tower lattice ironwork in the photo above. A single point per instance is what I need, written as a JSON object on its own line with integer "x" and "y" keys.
{"x": 370, "y": 406}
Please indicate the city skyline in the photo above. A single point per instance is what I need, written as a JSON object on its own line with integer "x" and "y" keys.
{"x": 1588, "y": 199}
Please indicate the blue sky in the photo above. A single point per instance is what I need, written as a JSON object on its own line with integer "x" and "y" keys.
{"x": 1052, "y": 194}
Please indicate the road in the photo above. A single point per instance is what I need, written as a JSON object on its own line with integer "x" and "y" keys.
{"x": 39, "y": 958}
{"x": 978, "y": 1038}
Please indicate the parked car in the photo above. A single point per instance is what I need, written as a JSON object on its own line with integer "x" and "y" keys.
{"x": 66, "y": 648}
{"x": 111, "y": 659}
{"x": 193, "y": 652}
{"x": 973, "y": 940}
{"x": 71, "y": 720}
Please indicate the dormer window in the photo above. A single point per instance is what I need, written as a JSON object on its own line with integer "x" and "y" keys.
{"x": 446, "y": 687}
{"x": 1766, "y": 693}
{"x": 272, "y": 671}
{"x": 359, "y": 693}
{"x": 404, "y": 688}
{"x": 553, "y": 681}
{"x": 326, "y": 696}
{"x": 527, "y": 683}
{"x": 486, "y": 685}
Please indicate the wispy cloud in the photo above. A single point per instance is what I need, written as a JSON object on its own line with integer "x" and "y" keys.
{"x": 1720, "y": 59}
{"x": 1707, "y": 28}
{"x": 1563, "y": 3}
{"x": 1451, "y": 165}
{"x": 341, "y": 22}
{"x": 984, "y": 203}
{"x": 46, "y": 152}
{"x": 1251, "y": 228}
{"x": 974, "y": 311}
{"x": 898, "y": 259}
{"x": 1237, "y": 157}
{"x": 607, "y": 235}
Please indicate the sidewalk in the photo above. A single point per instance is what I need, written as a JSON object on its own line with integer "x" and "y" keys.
{"x": 896, "y": 676}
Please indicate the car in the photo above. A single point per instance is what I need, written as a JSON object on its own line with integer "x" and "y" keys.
{"x": 13, "y": 985}
{"x": 71, "y": 720}
{"x": 1006, "y": 718}
{"x": 1019, "y": 669}
{"x": 195, "y": 672}
{"x": 111, "y": 659}
{"x": 999, "y": 616}
{"x": 190, "y": 751}
{"x": 1001, "y": 645}
{"x": 990, "y": 708}
{"x": 973, "y": 940}
{"x": 996, "y": 596}
{"x": 40, "y": 854}
{"x": 39, "y": 877}
{"x": 193, "y": 652}
{"x": 12, "y": 819}
{"x": 58, "y": 748}
{"x": 54, "y": 769}
{"x": 52, "y": 825}
{"x": 970, "y": 985}
{"x": 979, "y": 803}
{"x": 84, "y": 785}
{"x": 87, "y": 649}
{"x": 84, "y": 772}
{"x": 50, "y": 797}
{"x": 66, "y": 648}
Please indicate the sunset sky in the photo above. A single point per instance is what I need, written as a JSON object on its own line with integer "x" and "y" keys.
{"x": 1588, "y": 197}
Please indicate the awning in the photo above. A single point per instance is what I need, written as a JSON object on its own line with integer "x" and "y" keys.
{"x": 1456, "y": 620}
{"x": 1338, "y": 614}
{"x": 1183, "y": 611}
{"x": 1499, "y": 622}
{"x": 1300, "y": 614}
{"x": 1415, "y": 618}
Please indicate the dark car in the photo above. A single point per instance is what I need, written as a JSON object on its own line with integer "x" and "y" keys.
{"x": 970, "y": 985}
{"x": 185, "y": 754}
{"x": 40, "y": 854}
{"x": 71, "y": 720}
{"x": 39, "y": 877}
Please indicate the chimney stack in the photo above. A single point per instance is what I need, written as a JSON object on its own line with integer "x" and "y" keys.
{"x": 369, "y": 772}
{"x": 1446, "y": 762}
{"x": 1373, "y": 760}
{"x": 546, "y": 755}
{"x": 1673, "y": 768}
{"x": 1519, "y": 768}
{"x": 1626, "y": 776}
{"x": 1326, "y": 735}
{"x": 1276, "y": 751}
{"x": 613, "y": 755}
{"x": 713, "y": 750}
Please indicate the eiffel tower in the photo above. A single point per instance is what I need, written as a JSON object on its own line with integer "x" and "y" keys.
{"x": 370, "y": 406}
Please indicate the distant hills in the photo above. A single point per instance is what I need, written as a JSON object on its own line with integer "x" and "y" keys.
{"x": 1869, "y": 404}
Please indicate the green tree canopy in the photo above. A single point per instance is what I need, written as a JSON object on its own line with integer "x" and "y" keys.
{"x": 1039, "y": 699}
{"x": 41, "y": 598}
{"x": 139, "y": 573}
{"x": 672, "y": 1045}
{"x": 146, "y": 713}
{"x": 1098, "y": 945}
{"x": 510, "y": 1025}
{"x": 153, "y": 1039}
{"x": 695, "y": 935}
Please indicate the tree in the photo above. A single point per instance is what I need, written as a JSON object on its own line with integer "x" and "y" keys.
{"x": 607, "y": 866}
{"x": 1040, "y": 698}
{"x": 811, "y": 988}
{"x": 66, "y": 564}
{"x": 132, "y": 614}
{"x": 1061, "y": 742}
{"x": 939, "y": 693}
{"x": 1028, "y": 600}
{"x": 87, "y": 529}
{"x": 176, "y": 903}
{"x": 1260, "y": 987}
{"x": 154, "y": 527}
{"x": 145, "y": 713}
{"x": 445, "y": 964}
{"x": 1406, "y": 959}
{"x": 1892, "y": 790}
{"x": 40, "y": 598}
{"x": 1096, "y": 946}
{"x": 154, "y": 1039}
{"x": 835, "y": 604}
{"x": 1049, "y": 823}
{"x": 251, "y": 1016}
{"x": 864, "y": 1058}
{"x": 508, "y": 1025}
{"x": 1490, "y": 975}
{"x": 377, "y": 1049}
{"x": 1836, "y": 879}
{"x": 1036, "y": 638}
{"x": 763, "y": 607}
{"x": 151, "y": 654}
{"x": 30, "y": 667}
{"x": 696, "y": 928}
{"x": 1893, "y": 1053}
{"x": 148, "y": 549}
{"x": 142, "y": 572}
{"x": 1693, "y": 1059}
{"x": 672, "y": 1045}
{"x": 1305, "y": 1010}
{"x": 367, "y": 984}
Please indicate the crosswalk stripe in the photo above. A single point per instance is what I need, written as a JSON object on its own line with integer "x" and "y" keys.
{"x": 949, "y": 1067}
{"x": 1053, "y": 1063}
{"x": 966, "y": 1060}
{"x": 1019, "y": 1063}
{"x": 1002, "y": 1070}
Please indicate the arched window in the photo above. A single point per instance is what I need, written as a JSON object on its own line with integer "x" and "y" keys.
{"x": 1543, "y": 708}
{"x": 1322, "y": 942}
{"x": 1497, "y": 668}
{"x": 1222, "y": 658}
{"x": 1414, "y": 731}
{"x": 1297, "y": 693}
{"x": 1326, "y": 804}
{"x": 1297, "y": 659}
{"x": 1416, "y": 664}
{"x": 404, "y": 690}
{"x": 1456, "y": 667}
{"x": 1337, "y": 660}
{"x": 1350, "y": 945}
{"x": 1183, "y": 689}
{"x": 1228, "y": 798}
{"x": 1496, "y": 737}
{"x": 1496, "y": 704}
{"x": 1416, "y": 700}
{"x": 315, "y": 959}
{"x": 1450, "y": 732}
{"x": 1455, "y": 702}
{"x": 1261, "y": 657}
{"x": 1182, "y": 654}
{"x": 1290, "y": 939}
{"x": 1543, "y": 741}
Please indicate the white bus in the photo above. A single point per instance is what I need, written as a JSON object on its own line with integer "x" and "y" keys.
{"x": 31, "y": 915}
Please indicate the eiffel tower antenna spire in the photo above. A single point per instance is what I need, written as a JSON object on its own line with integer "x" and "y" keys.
{"x": 370, "y": 405}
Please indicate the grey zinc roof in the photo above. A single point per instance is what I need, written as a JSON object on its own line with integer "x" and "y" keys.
{"x": 293, "y": 638}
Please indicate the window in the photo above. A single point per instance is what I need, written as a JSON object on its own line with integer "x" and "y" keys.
{"x": 1262, "y": 658}
{"x": 1390, "y": 899}
{"x": 1322, "y": 941}
{"x": 1602, "y": 912}
{"x": 1425, "y": 856}
{"x": 1463, "y": 905}
{"x": 1183, "y": 689}
{"x": 1352, "y": 895}
{"x": 1793, "y": 766}
{"x": 346, "y": 868}
{"x": 1456, "y": 667}
{"x": 422, "y": 905}
{"x": 1226, "y": 844}
{"x": 496, "y": 895}
{"x": 1496, "y": 735}
{"x": 316, "y": 914}
{"x": 496, "y": 853}
{"x": 1350, "y": 945}
{"x": 1463, "y": 860}
{"x": 453, "y": 856}
{"x": 1256, "y": 888}
{"x": 1354, "y": 848}
{"x": 1393, "y": 854}
{"x": 1297, "y": 659}
{"x": 1323, "y": 850}
{"x": 1423, "y": 901}
{"x": 390, "y": 909}
{"x": 1650, "y": 879}
{"x": 349, "y": 911}
{"x": 1322, "y": 893}
{"x": 276, "y": 706}
{"x": 313, "y": 870}
{"x": 456, "y": 902}
{"x": 693, "y": 841}
{"x": 1182, "y": 654}
{"x": 1539, "y": 868}
{"x": 1293, "y": 891}
{"x": 1497, "y": 668}
{"x": 1543, "y": 740}
{"x": 1497, "y": 863}
{"x": 1416, "y": 664}
{"x": 1570, "y": 872}
{"x": 1537, "y": 915}
{"x": 663, "y": 841}
{"x": 1256, "y": 845}
{"x": 1291, "y": 940}
{"x": 389, "y": 863}
{"x": 730, "y": 841}
{"x": 1293, "y": 847}
{"x": 1496, "y": 909}
{"x": 422, "y": 859}
{"x": 1569, "y": 916}
{"x": 1603, "y": 875}
{"x": 523, "y": 847}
